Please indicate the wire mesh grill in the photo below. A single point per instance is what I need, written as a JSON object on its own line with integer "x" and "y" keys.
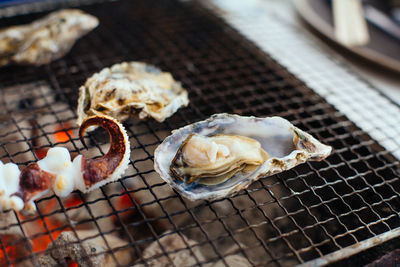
{"x": 312, "y": 210}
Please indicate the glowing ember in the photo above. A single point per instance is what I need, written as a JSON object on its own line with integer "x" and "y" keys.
{"x": 125, "y": 201}
{"x": 41, "y": 153}
{"x": 11, "y": 251}
{"x": 40, "y": 243}
{"x": 46, "y": 236}
{"x": 71, "y": 262}
{"x": 72, "y": 201}
{"x": 45, "y": 228}
{"x": 63, "y": 132}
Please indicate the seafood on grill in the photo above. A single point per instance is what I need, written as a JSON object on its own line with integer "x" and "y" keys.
{"x": 63, "y": 174}
{"x": 217, "y": 157}
{"x": 46, "y": 39}
{"x": 131, "y": 89}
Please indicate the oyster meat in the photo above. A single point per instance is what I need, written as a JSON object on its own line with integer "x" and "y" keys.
{"x": 46, "y": 39}
{"x": 131, "y": 88}
{"x": 217, "y": 157}
{"x": 213, "y": 160}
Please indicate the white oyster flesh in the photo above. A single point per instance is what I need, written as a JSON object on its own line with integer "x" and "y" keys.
{"x": 286, "y": 145}
{"x": 45, "y": 39}
{"x": 213, "y": 160}
{"x": 131, "y": 89}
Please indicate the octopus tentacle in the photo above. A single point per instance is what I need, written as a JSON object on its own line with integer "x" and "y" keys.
{"x": 56, "y": 171}
{"x": 33, "y": 181}
{"x": 113, "y": 163}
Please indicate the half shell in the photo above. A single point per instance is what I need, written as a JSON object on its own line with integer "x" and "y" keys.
{"x": 46, "y": 39}
{"x": 131, "y": 89}
{"x": 286, "y": 145}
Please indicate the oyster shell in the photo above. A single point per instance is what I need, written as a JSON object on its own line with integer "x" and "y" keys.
{"x": 131, "y": 88}
{"x": 46, "y": 39}
{"x": 286, "y": 145}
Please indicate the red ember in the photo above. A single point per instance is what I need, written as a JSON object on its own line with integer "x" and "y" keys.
{"x": 63, "y": 132}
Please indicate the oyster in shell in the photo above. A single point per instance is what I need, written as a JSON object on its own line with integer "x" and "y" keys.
{"x": 217, "y": 157}
{"x": 213, "y": 160}
{"x": 131, "y": 88}
{"x": 46, "y": 39}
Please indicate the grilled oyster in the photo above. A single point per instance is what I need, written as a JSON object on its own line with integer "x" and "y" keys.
{"x": 213, "y": 160}
{"x": 218, "y": 157}
{"x": 46, "y": 39}
{"x": 133, "y": 88}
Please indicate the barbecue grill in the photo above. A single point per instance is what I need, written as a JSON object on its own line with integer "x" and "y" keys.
{"x": 316, "y": 210}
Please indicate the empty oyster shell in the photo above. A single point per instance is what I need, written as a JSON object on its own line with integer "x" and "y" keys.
{"x": 133, "y": 88}
{"x": 46, "y": 39}
{"x": 283, "y": 146}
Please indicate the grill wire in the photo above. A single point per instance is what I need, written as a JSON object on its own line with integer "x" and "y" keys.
{"x": 312, "y": 210}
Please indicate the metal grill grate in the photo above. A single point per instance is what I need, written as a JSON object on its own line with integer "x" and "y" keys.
{"x": 312, "y": 210}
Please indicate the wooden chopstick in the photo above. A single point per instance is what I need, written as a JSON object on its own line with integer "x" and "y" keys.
{"x": 350, "y": 25}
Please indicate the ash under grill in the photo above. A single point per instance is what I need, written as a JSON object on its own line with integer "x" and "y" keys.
{"x": 302, "y": 214}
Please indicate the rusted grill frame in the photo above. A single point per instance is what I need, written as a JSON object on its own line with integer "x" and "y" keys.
{"x": 238, "y": 79}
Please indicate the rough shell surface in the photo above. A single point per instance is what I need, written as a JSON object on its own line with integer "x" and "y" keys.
{"x": 46, "y": 39}
{"x": 131, "y": 89}
{"x": 286, "y": 144}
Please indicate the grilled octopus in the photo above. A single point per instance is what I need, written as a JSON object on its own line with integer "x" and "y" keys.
{"x": 57, "y": 171}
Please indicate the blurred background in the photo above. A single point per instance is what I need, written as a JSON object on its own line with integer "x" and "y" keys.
{"x": 377, "y": 59}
